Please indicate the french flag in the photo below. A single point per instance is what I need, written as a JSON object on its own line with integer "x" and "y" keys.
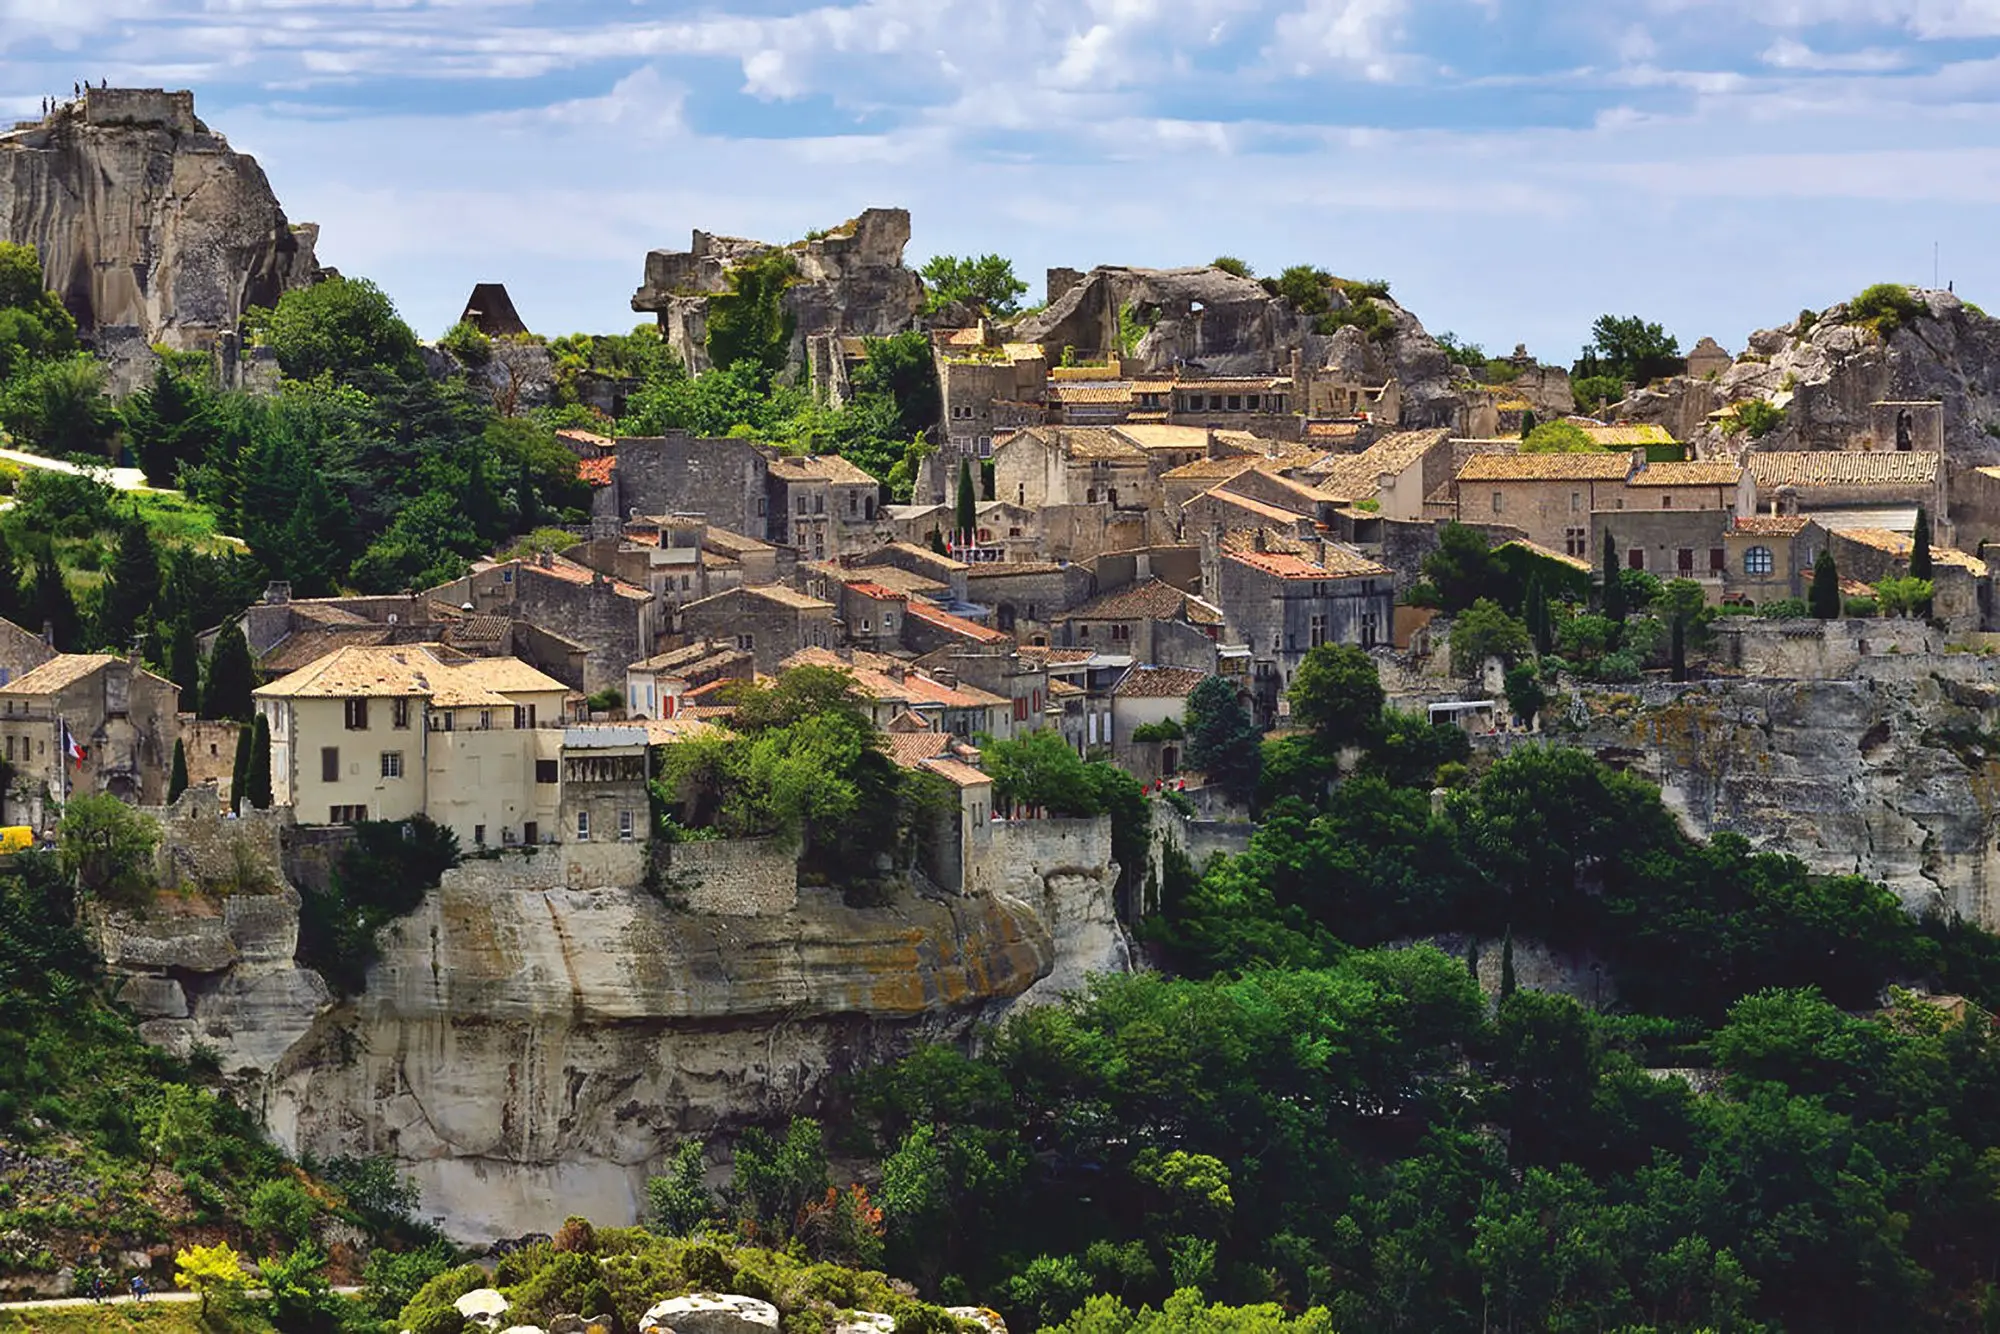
{"x": 71, "y": 748}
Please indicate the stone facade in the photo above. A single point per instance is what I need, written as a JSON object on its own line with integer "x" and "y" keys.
{"x": 771, "y": 623}
{"x": 725, "y": 481}
{"x": 124, "y": 717}
{"x": 753, "y": 877}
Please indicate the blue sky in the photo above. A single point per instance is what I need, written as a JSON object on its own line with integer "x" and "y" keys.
{"x": 1513, "y": 167}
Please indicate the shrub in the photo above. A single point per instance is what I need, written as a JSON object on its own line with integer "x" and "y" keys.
{"x": 1593, "y": 392}
{"x": 1758, "y": 417}
{"x": 1231, "y": 264}
{"x": 1558, "y": 438}
{"x": 1786, "y": 609}
{"x": 467, "y": 344}
{"x": 1885, "y": 307}
{"x": 1859, "y": 607}
{"x": 281, "y": 1211}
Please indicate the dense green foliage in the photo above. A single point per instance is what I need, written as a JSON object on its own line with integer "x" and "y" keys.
{"x": 384, "y": 874}
{"x": 1557, "y": 438}
{"x": 1629, "y": 348}
{"x": 984, "y": 283}
{"x": 1222, "y": 739}
{"x": 1886, "y": 307}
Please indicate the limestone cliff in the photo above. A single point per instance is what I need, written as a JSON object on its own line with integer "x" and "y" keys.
{"x": 1829, "y": 369}
{"x": 149, "y": 225}
{"x": 529, "y": 1045}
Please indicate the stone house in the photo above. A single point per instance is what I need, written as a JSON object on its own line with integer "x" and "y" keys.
{"x": 928, "y": 627}
{"x": 1005, "y": 532}
{"x": 901, "y": 698}
{"x": 604, "y": 796}
{"x": 869, "y": 615}
{"x": 390, "y": 732}
{"x": 1027, "y": 597}
{"x": 942, "y": 572}
{"x": 1283, "y": 598}
{"x": 1851, "y": 489}
{"x": 616, "y": 622}
{"x": 1672, "y": 544}
{"x": 976, "y": 380}
{"x": 724, "y": 481}
{"x": 21, "y": 651}
{"x": 1962, "y": 588}
{"x": 1051, "y": 465}
{"x": 124, "y": 717}
{"x": 1396, "y": 472}
{"x": 1149, "y": 696}
{"x": 822, "y": 506}
{"x": 655, "y": 687}
{"x": 1262, "y": 405}
{"x": 1770, "y": 556}
{"x": 1149, "y": 622}
{"x": 1021, "y": 679}
{"x": 1180, "y": 485}
{"x": 1293, "y": 497}
{"x": 771, "y": 622}
{"x": 1560, "y": 500}
{"x": 1222, "y": 510}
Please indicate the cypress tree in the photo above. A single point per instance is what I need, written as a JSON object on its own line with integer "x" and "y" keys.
{"x": 527, "y": 501}
{"x": 1507, "y": 964}
{"x": 1678, "y": 665}
{"x": 239, "y": 774}
{"x": 178, "y": 782}
{"x": 1472, "y": 957}
{"x": 1920, "y": 555}
{"x": 986, "y": 482}
{"x": 12, "y": 605}
{"x": 133, "y": 588}
{"x": 227, "y": 692}
{"x": 1825, "y": 599}
{"x": 1535, "y": 612}
{"x": 968, "y": 511}
{"x": 258, "y": 782}
{"x": 184, "y": 661}
{"x": 52, "y": 604}
{"x": 1614, "y": 586}
{"x": 1527, "y": 423}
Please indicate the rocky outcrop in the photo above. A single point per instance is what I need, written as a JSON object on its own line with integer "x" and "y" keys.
{"x": 1886, "y": 769}
{"x": 1829, "y": 370}
{"x": 150, "y": 227}
{"x": 851, "y": 282}
{"x": 1204, "y": 317}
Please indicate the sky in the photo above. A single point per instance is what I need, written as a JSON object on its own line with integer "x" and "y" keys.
{"x": 1514, "y": 167}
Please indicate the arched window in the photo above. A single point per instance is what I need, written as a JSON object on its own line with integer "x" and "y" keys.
{"x": 1757, "y": 560}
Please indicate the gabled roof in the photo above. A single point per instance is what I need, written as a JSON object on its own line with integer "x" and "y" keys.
{"x": 1899, "y": 545}
{"x": 1256, "y": 508}
{"x": 958, "y": 772}
{"x": 597, "y": 471}
{"x": 938, "y": 617}
{"x": 1773, "y": 525}
{"x": 1159, "y": 683}
{"x": 1834, "y": 467}
{"x": 1691, "y": 473}
{"x": 1581, "y": 467}
{"x": 1338, "y": 562}
{"x": 1148, "y": 600}
{"x": 410, "y": 671}
{"x": 821, "y": 467}
{"x": 59, "y": 673}
{"x": 1211, "y": 470}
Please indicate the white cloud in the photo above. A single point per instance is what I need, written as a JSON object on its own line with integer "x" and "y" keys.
{"x": 1353, "y": 34}
{"x": 1788, "y": 53}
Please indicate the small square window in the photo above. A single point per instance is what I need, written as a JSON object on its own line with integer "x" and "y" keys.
{"x": 583, "y": 826}
{"x": 625, "y": 824}
{"x": 392, "y": 764}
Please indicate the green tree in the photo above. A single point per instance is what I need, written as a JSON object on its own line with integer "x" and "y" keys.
{"x": 679, "y": 1202}
{"x": 177, "y": 782}
{"x": 239, "y": 774}
{"x": 1507, "y": 981}
{"x": 1040, "y": 771}
{"x": 1337, "y": 692}
{"x": 749, "y": 322}
{"x": 1824, "y": 597}
{"x": 1525, "y": 695}
{"x": 13, "y": 606}
{"x": 985, "y": 282}
{"x": 211, "y": 1271}
{"x": 775, "y": 1180}
{"x": 1897, "y": 596}
{"x": 1536, "y": 615}
{"x": 281, "y": 1212}
{"x": 170, "y": 423}
{"x": 1558, "y": 438}
{"x": 1233, "y": 265}
{"x": 1920, "y": 555}
{"x": 1682, "y": 604}
{"x": 1309, "y": 289}
{"x": 1462, "y": 569}
{"x": 345, "y": 328}
{"x": 184, "y": 661}
{"x": 106, "y": 847}
{"x": 1528, "y": 423}
{"x": 59, "y": 405}
{"x": 1612, "y": 587}
{"x": 34, "y": 326}
{"x": 902, "y": 369}
{"x": 966, "y": 511}
{"x": 52, "y": 605}
{"x": 1223, "y": 740}
{"x": 1630, "y": 348}
{"x": 133, "y": 588}
{"x": 231, "y": 676}
{"x": 1484, "y": 631}
{"x": 257, "y": 782}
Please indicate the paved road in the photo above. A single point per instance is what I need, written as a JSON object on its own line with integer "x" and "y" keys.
{"x": 58, "y": 1303}
{"x": 124, "y": 479}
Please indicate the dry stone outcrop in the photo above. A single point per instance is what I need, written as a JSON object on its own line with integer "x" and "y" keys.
{"x": 1828, "y": 369}
{"x": 150, "y": 226}
{"x": 851, "y": 282}
{"x": 710, "y": 1313}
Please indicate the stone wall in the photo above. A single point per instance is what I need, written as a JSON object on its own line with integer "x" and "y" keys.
{"x": 206, "y": 850}
{"x": 1807, "y": 650}
{"x": 748, "y": 877}
{"x": 1062, "y": 872}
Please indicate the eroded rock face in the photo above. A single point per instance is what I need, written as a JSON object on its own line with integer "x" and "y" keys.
{"x": 149, "y": 225}
{"x": 710, "y": 1313}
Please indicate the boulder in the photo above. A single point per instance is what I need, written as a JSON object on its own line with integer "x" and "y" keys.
{"x": 583, "y": 1324}
{"x": 989, "y": 1321}
{"x": 865, "y": 1322}
{"x": 483, "y": 1307}
{"x": 710, "y": 1313}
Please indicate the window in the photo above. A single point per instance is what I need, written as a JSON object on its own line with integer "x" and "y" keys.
{"x": 1121, "y": 634}
{"x": 802, "y": 503}
{"x": 1576, "y": 502}
{"x": 1090, "y": 495}
{"x": 1758, "y": 560}
{"x": 1635, "y": 558}
{"x": 10, "y": 748}
{"x": 624, "y": 826}
{"x": 1576, "y": 541}
{"x": 762, "y": 507}
{"x": 357, "y": 715}
{"x": 746, "y": 642}
{"x": 1667, "y": 502}
{"x": 1684, "y": 560}
{"x": 1020, "y": 498}
{"x": 819, "y": 502}
{"x": 329, "y": 764}
{"x": 346, "y": 814}
{"x": 583, "y": 826}
{"x": 1496, "y": 502}
{"x": 1250, "y": 401}
{"x": 1083, "y": 632}
{"x": 1718, "y": 560}
{"x": 399, "y": 713}
{"x": 1195, "y": 403}
{"x": 486, "y": 720}
{"x": 1318, "y": 630}
{"x": 546, "y": 771}
{"x": 1020, "y": 710}
{"x": 479, "y": 834}
{"x": 392, "y": 764}
{"x": 1236, "y": 402}
{"x": 853, "y": 503}
{"x": 1370, "y": 630}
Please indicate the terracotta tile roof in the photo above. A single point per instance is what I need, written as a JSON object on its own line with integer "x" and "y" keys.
{"x": 1310, "y": 495}
{"x": 597, "y": 471}
{"x": 869, "y": 589}
{"x": 957, "y": 771}
{"x": 1151, "y": 600}
{"x": 911, "y": 548}
{"x": 584, "y": 437}
{"x": 1833, "y": 467}
{"x": 1550, "y": 553}
{"x": 1692, "y": 473}
{"x": 910, "y": 749}
{"x": 973, "y": 337}
{"x": 1057, "y": 656}
{"x": 1091, "y": 393}
{"x": 1268, "y": 513}
{"x": 409, "y": 671}
{"x": 733, "y": 543}
{"x": 1773, "y": 525}
{"x": 1246, "y": 384}
{"x": 58, "y": 673}
{"x": 1592, "y": 467}
{"x": 957, "y": 625}
{"x": 1399, "y": 449}
{"x": 1001, "y": 569}
{"x": 1097, "y": 442}
{"x": 892, "y": 577}
{"x": 301, "y": 647}
{"x": 787, "y": 597}
{"x": 572, "y": 572}
{"x": 1064, "y": 688}
{"x": 822, "y": 467}
{"x": 1333, "y": 430}
{"x": 1148, "y": 436}
{"x": 1899, "y": 544}
{"x": 873, "y": 679}
{"x": 1204, "y": 470}
{"x": 1338, "y": 563}
{"x": 480, "y": 629}
{"x": 1159, "y": 683}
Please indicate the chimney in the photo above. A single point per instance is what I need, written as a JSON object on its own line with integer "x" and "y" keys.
{"x": 49, "y": 633}
{"x": 1263, "y": 539}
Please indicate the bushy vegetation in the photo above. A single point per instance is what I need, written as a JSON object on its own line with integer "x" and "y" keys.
{"x": 381, "y": 876}
{"x": 984, "y": 284}
{"x": 1758, "y": 417}
{"x": 1629, "y": 349}
{"x": 1886, "y": 307}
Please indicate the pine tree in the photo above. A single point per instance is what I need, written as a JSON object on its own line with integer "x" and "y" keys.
{"x": 1535, "y": 611}
{"x": 1825, "y": 598}
{"x": 258, "y": 781}
{"x": 1920, "y": 555}
{"x": 133, "y": 588}
{"x": 1507, "y": 982}
{"x": 1614, "y": 585}
{"x": 1527, "y": 423}
{"x": 968, "y": 511}
{"x": 178, "y": 782}
{"x": 226, "y": 693}
{"x": 169, "y": 423}
{"x": 312, "y": 539}
{"x": 239, "y": 773}
{"x": 52, "y": 605}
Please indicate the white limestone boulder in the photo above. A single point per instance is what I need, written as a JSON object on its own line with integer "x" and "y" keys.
{"x": 710, "y": 1313}
{"x": 865, "y": 1322}
{"x": 988, "y": 1320}
{"x": 483, "y": 1307}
